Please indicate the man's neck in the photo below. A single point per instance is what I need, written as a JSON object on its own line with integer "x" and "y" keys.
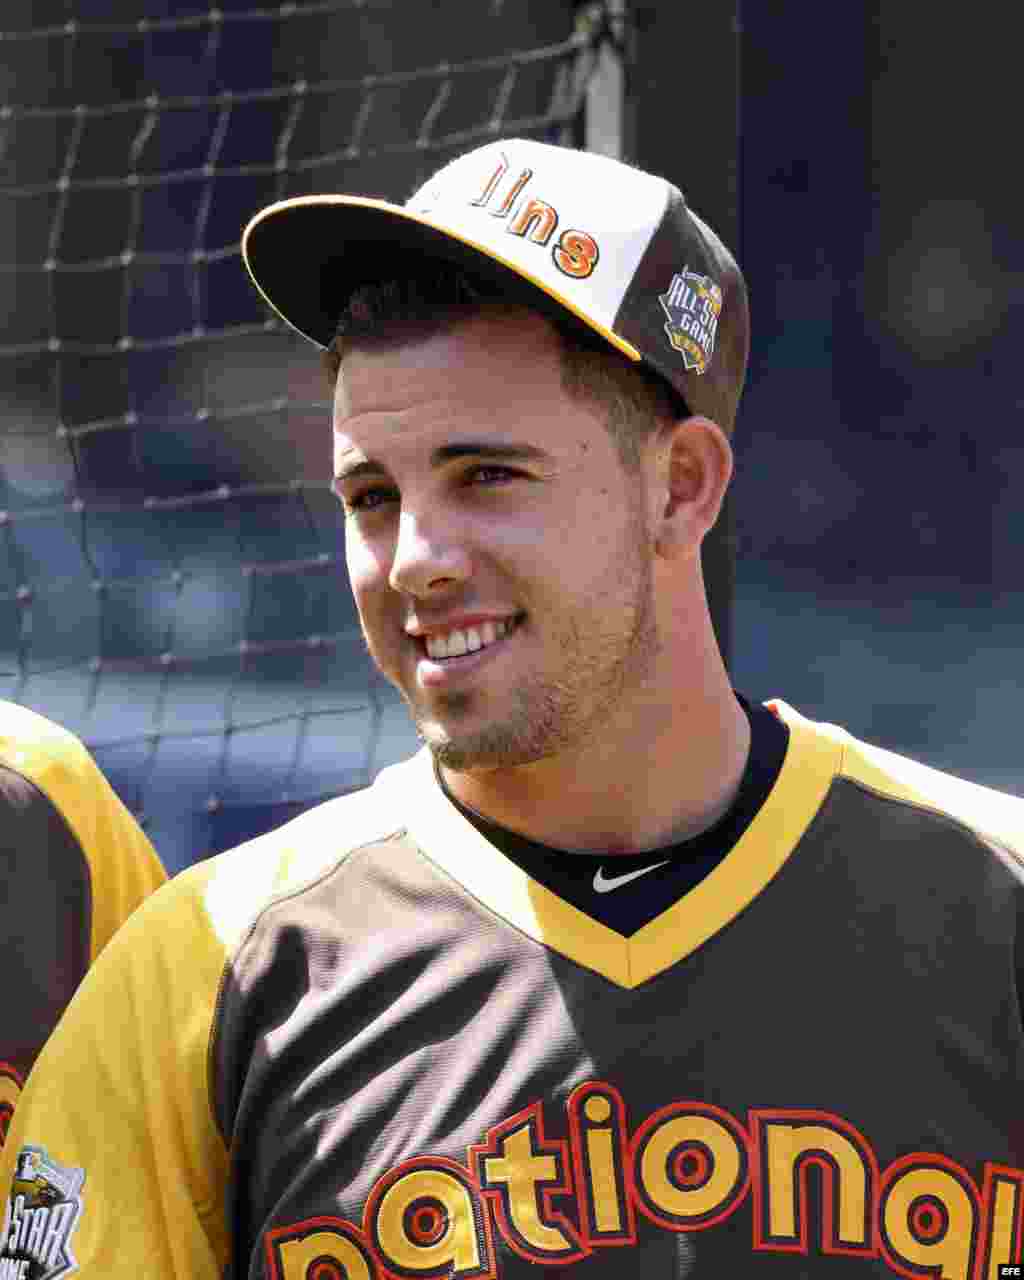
{"x": 671, "y": 773}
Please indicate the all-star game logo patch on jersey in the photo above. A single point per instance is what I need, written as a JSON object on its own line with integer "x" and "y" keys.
{"x": 40, "y": 1217}
{"x": 693, "y": 304}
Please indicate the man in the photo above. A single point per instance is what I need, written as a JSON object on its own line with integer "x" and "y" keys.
{"x": 73, "y": 865}
{"x": 619, "y": 973}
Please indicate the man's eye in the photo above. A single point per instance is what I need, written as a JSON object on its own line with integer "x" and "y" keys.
{"x": 492, "y": 471}
{"x": 374, "y": 498}
{"x": 370, "y": 499}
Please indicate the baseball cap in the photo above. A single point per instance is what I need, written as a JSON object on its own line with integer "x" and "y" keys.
{"x": 592, "y": 238}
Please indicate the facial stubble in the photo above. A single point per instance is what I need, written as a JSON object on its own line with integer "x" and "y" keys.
{"x": 604, "y": 655}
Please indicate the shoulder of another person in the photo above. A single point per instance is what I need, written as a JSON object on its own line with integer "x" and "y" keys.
{"x": 32, "y": 745}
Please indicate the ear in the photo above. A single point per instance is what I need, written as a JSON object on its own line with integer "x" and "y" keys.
{"x": 693, "y": 463}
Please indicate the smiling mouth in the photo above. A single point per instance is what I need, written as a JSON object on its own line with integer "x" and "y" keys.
{"x": 460, "y": 643}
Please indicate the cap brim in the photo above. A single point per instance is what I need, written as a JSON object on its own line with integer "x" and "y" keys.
{"x": 307, "y": 255}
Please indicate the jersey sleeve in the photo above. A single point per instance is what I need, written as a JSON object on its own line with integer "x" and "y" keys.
{"x": 74, "y": 864}
{"x": 123, "y": 865}
{"x": 114, "y": 1164}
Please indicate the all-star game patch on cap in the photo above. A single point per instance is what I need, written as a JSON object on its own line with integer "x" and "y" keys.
{"x": 614, "y": 247}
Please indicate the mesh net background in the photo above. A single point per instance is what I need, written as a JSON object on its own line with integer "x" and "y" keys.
{"x": 172, "y": 583}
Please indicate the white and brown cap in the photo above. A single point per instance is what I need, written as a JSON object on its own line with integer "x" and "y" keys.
{"x": 617, "y": 248}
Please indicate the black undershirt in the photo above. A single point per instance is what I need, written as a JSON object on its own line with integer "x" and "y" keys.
{"x": 630, "y": 905}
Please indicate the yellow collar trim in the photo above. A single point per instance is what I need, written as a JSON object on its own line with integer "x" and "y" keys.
{"x": 453, "y": 844}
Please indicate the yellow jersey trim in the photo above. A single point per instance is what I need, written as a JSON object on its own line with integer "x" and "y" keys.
{"x": 994, "y": 815}
{"x": 452, "y": 843}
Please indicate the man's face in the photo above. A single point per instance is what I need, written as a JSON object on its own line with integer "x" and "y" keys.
{"x": 486, "y": 507}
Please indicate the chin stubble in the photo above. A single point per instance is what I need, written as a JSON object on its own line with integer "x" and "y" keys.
{"x": 553, "y": 715}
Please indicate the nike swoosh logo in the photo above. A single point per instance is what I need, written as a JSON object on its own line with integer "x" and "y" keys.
{"x": 604, "y": 884}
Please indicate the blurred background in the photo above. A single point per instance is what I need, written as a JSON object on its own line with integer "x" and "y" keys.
{"x": 172, "y": 583}
{"x": 878, "y": 502}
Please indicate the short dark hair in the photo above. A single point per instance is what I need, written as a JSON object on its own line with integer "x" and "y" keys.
{"x": 433, "y": 298}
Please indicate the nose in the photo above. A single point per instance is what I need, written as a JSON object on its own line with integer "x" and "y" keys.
{"x": 429, "y": 556}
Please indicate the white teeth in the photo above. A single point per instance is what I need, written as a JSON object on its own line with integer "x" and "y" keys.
{"x": 456, "y": 643}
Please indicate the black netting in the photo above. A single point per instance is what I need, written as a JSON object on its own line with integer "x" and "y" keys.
{"x": 172, "y": 585}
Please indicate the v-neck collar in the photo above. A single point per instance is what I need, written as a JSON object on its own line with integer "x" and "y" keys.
{"x": 453, "y": 844}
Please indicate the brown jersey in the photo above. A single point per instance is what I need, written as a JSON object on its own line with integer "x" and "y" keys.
{"x": 73, "y": 865}
{"x": 369, "y": 1046}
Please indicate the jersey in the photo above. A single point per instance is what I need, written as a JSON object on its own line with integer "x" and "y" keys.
{"x": 73, "y": 865}
{"x": 368, "y": 1045}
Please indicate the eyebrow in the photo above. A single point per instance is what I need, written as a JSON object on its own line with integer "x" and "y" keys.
{"x": 449, "y": 453}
